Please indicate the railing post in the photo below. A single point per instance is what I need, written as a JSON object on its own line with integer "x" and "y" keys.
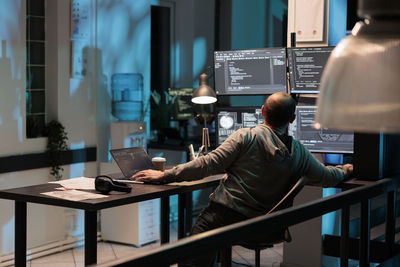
{"x": 365, "y": 232}
{"x": 344, "y": 250}
{"x": 390, "y": 223}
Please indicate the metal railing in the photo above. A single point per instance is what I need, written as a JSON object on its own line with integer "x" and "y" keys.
{"x": 222, "y": 237}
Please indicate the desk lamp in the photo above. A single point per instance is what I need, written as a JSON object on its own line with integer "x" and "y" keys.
{"x": 360, "y": 91}
{"x": 204, "y": 95}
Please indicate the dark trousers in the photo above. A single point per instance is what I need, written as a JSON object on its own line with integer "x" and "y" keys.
{"x": 213, "y": 216}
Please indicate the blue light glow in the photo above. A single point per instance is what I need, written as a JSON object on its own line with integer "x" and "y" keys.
{"x": 12, "y": 69}
{"x": 177, "y": 50}
{"x": 79, "y": 224}
{"x": 7, "y": 240}
{"x": 123, "y": 40}
{"x": 139, "y": 8}
{"x": 330, "y": 226}
{"x": 199, "y": 55}
{"x": 246, "y": 21}
{"x": 77, "y": 170}
{"x": 337, "y": 21}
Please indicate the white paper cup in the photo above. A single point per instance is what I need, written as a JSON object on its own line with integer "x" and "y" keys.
{"x": 159, "y": 163}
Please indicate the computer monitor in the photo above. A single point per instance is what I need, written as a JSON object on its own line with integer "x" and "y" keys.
{"x": 323, "y": 140}
{"x": 182, "y": 107}
{"x": 230, "y": 119}
{"x": 305, "y": 68}
{"x": 250, "y": 72}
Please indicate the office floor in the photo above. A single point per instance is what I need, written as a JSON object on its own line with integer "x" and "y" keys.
{"x": 107, "y": 251}
{"x": 110, "y": 251}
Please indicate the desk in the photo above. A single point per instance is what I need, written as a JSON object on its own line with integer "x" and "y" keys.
{"x": 140, "y": 192}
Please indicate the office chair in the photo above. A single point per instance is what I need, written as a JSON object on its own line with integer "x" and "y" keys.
{"x": 275, "y": 238}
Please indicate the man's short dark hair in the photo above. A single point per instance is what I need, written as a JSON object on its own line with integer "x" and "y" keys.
{"x": 279, "y": 109}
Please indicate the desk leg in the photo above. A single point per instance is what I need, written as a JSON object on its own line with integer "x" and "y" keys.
{"x": 189, "y": 209}
{"x": 184, "y": 214}
{"x": 181, "y": 215}
{"x": 164, "y": 231}
{"x": 20, "y": 234}
{"x": 90, "y": 237}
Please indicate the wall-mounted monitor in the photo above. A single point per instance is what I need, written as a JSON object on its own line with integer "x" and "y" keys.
{"x": 250, "y": 72}
{"x": 305, "y": 68}
{"x": 230, "y": 119}
{"x": 322, "y": 140}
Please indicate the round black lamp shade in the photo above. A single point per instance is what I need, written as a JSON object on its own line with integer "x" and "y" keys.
{"x": 204, "y": 94}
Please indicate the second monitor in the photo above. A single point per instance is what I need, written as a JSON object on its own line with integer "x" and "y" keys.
{"x": 306, "y": 65}
{"x": 319, "y": 140}
{"x": 250, "y": 72}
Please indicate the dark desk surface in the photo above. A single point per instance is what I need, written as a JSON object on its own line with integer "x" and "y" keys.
{"x": 140, "y": 192}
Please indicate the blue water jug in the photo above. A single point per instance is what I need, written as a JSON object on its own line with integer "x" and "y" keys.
{"x": 127, "y": 96}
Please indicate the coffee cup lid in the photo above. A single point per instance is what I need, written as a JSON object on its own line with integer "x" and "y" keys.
{"x": 158, "y": 159}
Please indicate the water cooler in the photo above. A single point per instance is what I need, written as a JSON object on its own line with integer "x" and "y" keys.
{"x": 136, "y": 224}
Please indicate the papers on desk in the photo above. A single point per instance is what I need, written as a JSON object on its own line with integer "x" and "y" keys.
{"x": 74, "y": 195}
{"x": 76, "y": 183}
{"x": 71, "y": 189}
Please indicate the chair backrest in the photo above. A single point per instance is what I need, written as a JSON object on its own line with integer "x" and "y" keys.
{"x": 290, "y": 195}
{"x": 280, "y": 235}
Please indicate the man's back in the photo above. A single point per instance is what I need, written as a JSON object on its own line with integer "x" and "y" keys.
{"x": 263, "y": 169}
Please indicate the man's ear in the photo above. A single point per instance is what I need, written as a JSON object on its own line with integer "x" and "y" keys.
{"x": 263, "y": 111}
{"x": 293, "y": 118}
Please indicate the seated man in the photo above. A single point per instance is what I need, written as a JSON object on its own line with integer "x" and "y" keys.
{"x": 260, "y": 164}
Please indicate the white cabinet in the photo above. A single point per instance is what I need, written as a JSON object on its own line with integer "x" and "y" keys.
{"x": 139, "y": 223}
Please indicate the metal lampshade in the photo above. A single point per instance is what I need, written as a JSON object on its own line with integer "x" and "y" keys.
{"x": 360, "y": 86}
{"x": 204, "y": 94}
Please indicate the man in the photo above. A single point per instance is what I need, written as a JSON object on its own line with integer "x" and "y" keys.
{"x": 261, "y": 164}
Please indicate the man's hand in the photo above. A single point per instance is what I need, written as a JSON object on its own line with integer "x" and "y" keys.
{"x": 149, "y": 175}
{"x": 350, "y": 168}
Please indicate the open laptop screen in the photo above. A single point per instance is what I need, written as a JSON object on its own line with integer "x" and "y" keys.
{"x": 131, "y": 160}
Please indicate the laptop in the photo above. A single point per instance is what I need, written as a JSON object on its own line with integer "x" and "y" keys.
{"x": 131, "y": 160}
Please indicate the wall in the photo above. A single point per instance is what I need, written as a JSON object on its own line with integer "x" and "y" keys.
{"x": 71, "y": 100}
{"x": 256, "y": 25}
{"x": 117, "y": 40}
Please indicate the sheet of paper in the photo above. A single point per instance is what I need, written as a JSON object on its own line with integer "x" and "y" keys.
{"x": 76, "y": 183}
{"x": 74, "y": 195}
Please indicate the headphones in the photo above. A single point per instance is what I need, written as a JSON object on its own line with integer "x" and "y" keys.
{"x": 105, "y": 184}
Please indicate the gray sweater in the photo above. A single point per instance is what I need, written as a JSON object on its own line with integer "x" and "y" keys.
{"x": 259, "y": 170}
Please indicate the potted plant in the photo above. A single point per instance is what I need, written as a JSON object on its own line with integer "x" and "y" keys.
{"x": 56, "y": 144}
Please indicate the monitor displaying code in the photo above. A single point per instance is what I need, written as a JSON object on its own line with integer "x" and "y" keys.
{"x": 322, "y": 140}
{"x": 230, "y": 119}
{"x": 182, "y": 104}
{"x": 250, "y": 72}
{"x": 306, "y": 65}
